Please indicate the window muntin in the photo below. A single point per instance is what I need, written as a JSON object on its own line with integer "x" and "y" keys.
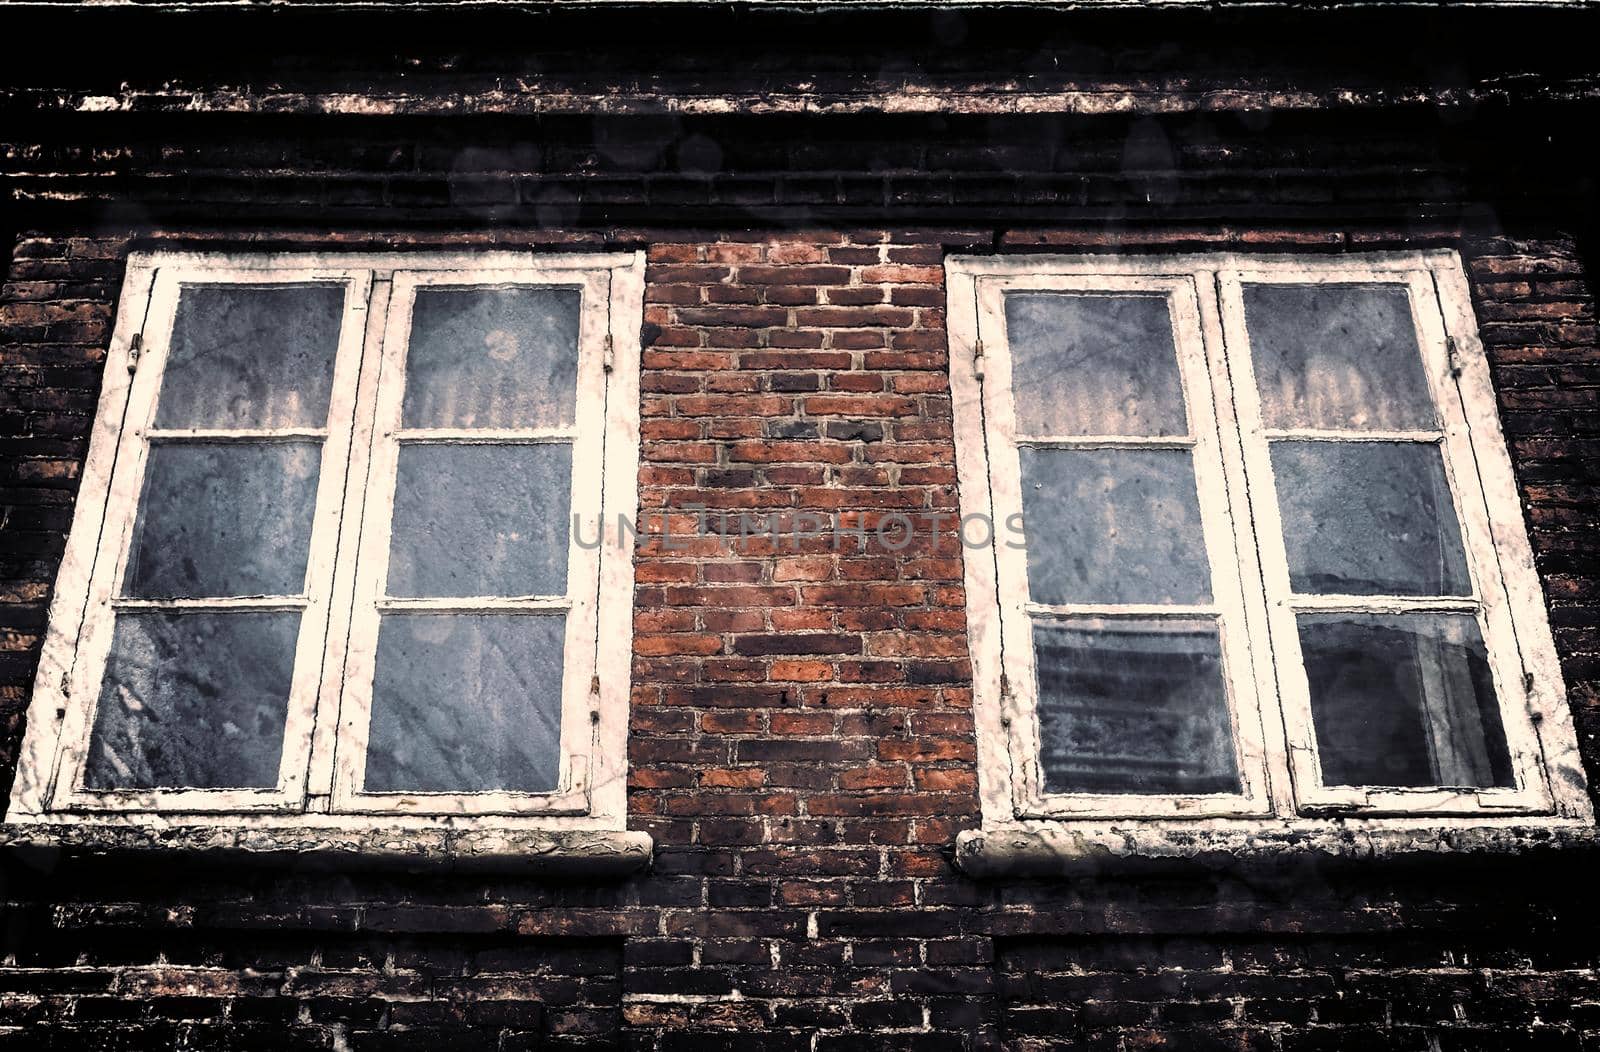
{"x": 1361, "y": 411}
{"x": 249, "y": 445}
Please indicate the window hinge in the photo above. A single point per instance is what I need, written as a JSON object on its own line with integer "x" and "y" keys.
{"x": 608, "y": 356}
{"x": 977, "y": 358}
{"x": 1454, "y": 353}
{"x": 135, "y": 348}
{"x": 66, "y": 684}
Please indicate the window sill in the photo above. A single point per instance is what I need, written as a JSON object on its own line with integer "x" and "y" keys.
{"x": 1037, "y": 850}
{"x": 537, "y": 853}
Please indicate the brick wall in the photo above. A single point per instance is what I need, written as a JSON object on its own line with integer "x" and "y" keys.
{"x": 801, "y": 740}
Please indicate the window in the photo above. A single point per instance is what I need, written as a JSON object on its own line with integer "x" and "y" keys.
{"x": 322, "y": 562}
{"x": 1258, "y": 548}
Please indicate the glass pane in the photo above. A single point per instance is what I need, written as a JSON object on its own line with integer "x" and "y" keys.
{"x": 224, "y": 519}
{"x": 481, "y": 520}
{"x": 1337, "y": 356}
{"x": 1093, "y": 365}
{"x": 1113, "y": 526}
{"x": 1403, "y": 700}
{"x": 193, "y": 700}
{"x": 1133, "y": 707}
{"x": 467, "y": 703}
{"x": 251, "y": 356}
{"x": 1369, "y": 518}
{"x": 492, "y": 358}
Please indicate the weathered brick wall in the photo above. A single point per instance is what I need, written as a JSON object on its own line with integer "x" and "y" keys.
{"x": 55, "y": 321}
{"x": 801, "y": 739}
{"x": 812, "y": 692}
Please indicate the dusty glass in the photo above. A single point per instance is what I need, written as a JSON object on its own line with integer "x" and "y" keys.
{"x": 1094, "y": 364}
{"x": 249, "y": 356}
{"x": 223, "y": 519}
{"x": 1403, "y": 700}
{"x": 481, "y": 520}
{"x": 467, "y": 703}
{"x": 1136, "y": 706}
{"x": 1113, "y": 526}
{"x": 1337, "y": 357}
{"x": 1369, "y": 518}
{"x": 193, "y": 700}
{"x": 492, "y": 358}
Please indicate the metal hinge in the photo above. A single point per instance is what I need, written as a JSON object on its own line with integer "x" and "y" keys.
{"x": 135, "y": 348}
{"x": 977, "y": 358}
{"x": 1454, "y": 354}
{"x": 608, "y": 356}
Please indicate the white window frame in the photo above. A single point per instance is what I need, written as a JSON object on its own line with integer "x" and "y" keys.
{"x": 1269, "y": 697}
{"x": 325, "y": 736}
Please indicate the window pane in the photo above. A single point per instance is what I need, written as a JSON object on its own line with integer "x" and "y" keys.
{"x": 1113, "y": 526}
{"x": 249, "y": 356}
{"x": 1133, "y": 707}
{"x": 492, "y": 358}
{"x": 224, "y": 519}
{"x": 1093, "y": 365}
{"x": 1337, "y": 356}
{"x": 193, "y": 700}
{"x": 467, "y": 703}
{"x": 1369, "y": 518}
{"x": 481, "y": 520}
{"x": 1403, "y": 700}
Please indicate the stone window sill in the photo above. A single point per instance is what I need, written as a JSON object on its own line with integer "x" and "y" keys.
{"x": 538, "y": 853}
{"x": 1067, "y": 850}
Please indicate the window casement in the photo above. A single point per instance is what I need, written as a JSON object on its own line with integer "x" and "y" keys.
{"x": 1258, "y": 553}
{"x": 323, "y": 567}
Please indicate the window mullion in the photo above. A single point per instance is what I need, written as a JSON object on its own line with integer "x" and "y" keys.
{"x": 324, "y": 743}
{"x": 1232, "y": 581}
{"x": 327, "y": 523}
{"x": 1262, "y": 568}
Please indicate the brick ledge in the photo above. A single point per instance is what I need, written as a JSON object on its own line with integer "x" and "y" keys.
{"x": 1036, "y": 850}
{"x": 543, "y": 853}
